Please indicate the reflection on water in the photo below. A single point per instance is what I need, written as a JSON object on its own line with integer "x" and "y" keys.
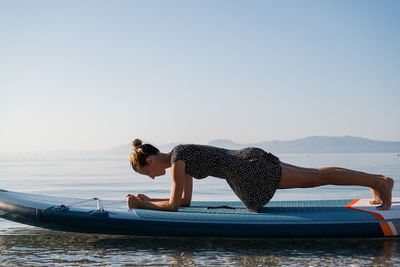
{"x": 34, "y": 246}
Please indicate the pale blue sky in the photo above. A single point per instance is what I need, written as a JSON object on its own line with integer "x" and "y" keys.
{"x": 95, "y": 74}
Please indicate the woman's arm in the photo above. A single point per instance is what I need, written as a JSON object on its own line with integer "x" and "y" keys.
{"x": 179, "y": 186}
{"x": 187, "y": 191}
{"x": 186, "y": 196}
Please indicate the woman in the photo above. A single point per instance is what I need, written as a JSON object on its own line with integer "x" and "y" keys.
{"x": 253, "y": 174}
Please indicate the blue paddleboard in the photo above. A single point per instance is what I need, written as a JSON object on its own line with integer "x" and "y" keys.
{"x": 311, "y": 218}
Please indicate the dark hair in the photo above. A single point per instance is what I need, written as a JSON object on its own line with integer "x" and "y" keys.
{"x": 140, "y": 152}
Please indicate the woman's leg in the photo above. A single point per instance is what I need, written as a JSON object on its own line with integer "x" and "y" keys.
{"x": 298, "y": 177}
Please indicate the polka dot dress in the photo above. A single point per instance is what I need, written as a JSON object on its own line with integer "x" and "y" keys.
{"x": 252, "y": 173}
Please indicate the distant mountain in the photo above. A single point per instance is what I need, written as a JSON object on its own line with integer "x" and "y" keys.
{"x": 312, "y": 144}
{"x": 319, "y": 144}
{"x": 226, "y": 144}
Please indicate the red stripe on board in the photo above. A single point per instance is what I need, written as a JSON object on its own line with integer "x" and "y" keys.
{"x": 351, "y": 203}
{"x": 384, "y": 225}
{"x": 387, "y": 231}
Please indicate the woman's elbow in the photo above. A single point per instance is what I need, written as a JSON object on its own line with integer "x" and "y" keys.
{"x": 174, "y": 209}
{"x": 173, "y": 206}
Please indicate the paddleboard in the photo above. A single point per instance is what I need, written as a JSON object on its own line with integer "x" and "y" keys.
{"x": 302, "y": 219}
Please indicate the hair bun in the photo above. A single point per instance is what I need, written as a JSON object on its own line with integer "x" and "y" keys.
{"x": 136, "y": 143}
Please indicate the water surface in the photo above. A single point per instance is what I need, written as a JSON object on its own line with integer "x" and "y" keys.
{"x": 112, "y": 178}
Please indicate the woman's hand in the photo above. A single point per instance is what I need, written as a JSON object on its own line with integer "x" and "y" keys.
{"x": 143, "y": 197}
{"x": 132, "y": 201}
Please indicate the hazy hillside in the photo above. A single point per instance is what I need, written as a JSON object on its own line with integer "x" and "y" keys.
{"x": 319, "y": 144}
{"x": 313, "y": 144}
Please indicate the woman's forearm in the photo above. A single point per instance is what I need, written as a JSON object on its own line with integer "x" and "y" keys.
{"x": 157, "y": 202}
{"x": 157, "y": 199}
{"x": 183, "y": 202}
{"x": 158, "y": 205}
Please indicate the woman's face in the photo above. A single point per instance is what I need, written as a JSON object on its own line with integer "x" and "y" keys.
{"x": 153, "y": 167}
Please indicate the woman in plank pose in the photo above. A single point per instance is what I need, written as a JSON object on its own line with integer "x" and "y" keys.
{"x": 253, "y": 174}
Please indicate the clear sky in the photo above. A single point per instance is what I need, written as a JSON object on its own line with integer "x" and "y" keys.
{"x": 95, "y": 74}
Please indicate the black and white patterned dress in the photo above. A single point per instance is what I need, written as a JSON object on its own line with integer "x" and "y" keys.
{"x": 252, "y": 173}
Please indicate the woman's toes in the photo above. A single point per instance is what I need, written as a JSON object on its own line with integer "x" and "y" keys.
{"x": 374, "y": 202}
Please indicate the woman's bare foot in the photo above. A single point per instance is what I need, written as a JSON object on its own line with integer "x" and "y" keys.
{"x": 377, "y": 198}
{"x": 384, "y": 189}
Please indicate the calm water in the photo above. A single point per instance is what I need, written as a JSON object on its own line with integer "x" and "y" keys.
{"x": 112, "y": 178}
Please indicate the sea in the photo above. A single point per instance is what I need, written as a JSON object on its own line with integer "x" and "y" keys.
{"x": 111, "y": 177}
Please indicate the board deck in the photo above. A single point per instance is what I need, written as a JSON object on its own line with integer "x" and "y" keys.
{"x": 310, "y": 218}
